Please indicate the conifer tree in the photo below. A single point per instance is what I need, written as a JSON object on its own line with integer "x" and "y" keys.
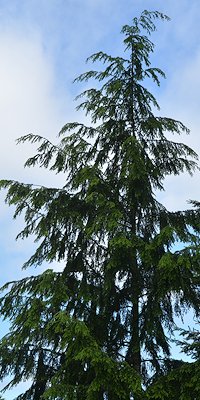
{"x": 101, "y": 328}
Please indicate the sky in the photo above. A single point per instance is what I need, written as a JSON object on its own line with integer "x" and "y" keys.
{"x": 43, "y": 47}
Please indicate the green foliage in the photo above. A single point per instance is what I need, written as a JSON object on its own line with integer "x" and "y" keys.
{"x": 102, "y": 328}
{"x": 182, "y": 383}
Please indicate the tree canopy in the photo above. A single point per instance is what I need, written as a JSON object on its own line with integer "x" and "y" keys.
{"x": 102, "y": 328}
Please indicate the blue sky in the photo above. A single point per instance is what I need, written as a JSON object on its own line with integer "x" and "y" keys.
{"x": 43, "y": 47}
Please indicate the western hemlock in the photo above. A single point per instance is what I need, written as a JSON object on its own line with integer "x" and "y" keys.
{"x": 101, "y": 329}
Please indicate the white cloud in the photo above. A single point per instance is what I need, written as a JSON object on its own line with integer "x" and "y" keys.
{"x": 27, "y": 99}
{"x": 28, "y": 103}
{"x": 180, "y": 101}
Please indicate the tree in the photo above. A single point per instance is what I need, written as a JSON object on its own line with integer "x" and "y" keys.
{"x": 181, "y": 382}
{"x": 101, "y": 328}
